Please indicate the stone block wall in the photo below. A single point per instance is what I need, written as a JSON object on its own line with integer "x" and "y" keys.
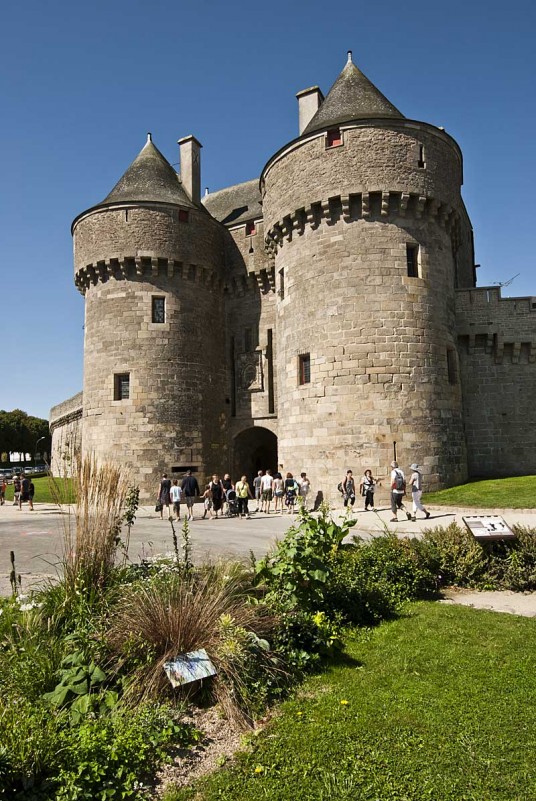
{"x": 66, "y": 430}
{"x": 497, "y": 351}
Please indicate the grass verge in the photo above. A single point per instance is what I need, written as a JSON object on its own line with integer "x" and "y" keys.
{"x": 45, "y": 493}
{"x": 438, "y": 704}
{"x": 518, "y": 492}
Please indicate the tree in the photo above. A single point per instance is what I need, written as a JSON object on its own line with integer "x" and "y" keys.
{"x": 20, "y": 432}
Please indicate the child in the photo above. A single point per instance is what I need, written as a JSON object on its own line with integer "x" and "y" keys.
{"x": 207, "y": 501}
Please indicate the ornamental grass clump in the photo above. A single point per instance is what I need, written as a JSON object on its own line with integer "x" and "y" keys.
{"x": 91, "y": 529}
{"x": 158, "y": 620}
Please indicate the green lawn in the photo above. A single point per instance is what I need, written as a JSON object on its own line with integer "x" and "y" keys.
{"x": 43, "y": 490}
{"x": 518, "y": 492}
{"x": 439, "y": 704}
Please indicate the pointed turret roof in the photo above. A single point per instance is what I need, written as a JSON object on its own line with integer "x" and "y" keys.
{"x": 150, "y": 177}
{"x": 352, "y": 97}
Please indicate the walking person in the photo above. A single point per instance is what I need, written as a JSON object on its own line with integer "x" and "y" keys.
{"x": 243, "y": 493}
{"x": 278, "y": 492}
{"x": 207, "y": 502}
{"x": 175, "y": 496}
{"x": 16, "y": 490}
{"x": 367, "y": 487}
{"x": 218, "y": 495}
{"x": 190, "y": 491}
{"x": 228, "y": 487}
{"x": 257, "y": 489}
{"x": 3, "y": 487}
{"x": 163, "y": 497}
{"x": 31, "y": 493}
{"x": 398, "y": 490}
{"x": 266, "y": 492}
{"x": 416, "y": 492}
{"x": 304, "y": 489}
{"x": 348, "y": 491}
{"x": 291, "y": 491}
{"x": 24, "y": 494}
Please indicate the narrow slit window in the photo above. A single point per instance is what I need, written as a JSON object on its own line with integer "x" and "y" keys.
{"x": 248, "y": 340}
{"x": 452, "y": 367}
{"x": 250, "y": 229}
{"x": 121, "y": 386}
{"x": 421, "y": 162}
{"x": 412, "y": 260}
{"x": 183, "y": 215}
{"x": 304, "y": 368}
{"x": 334, "y": 138}
{"x": 282, "y": 283}
{"x": 159, "y": 310}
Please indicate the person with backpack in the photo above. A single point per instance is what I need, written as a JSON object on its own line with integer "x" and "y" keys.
{"x": 347, "y": 487}
{"x": 398, "y": 490}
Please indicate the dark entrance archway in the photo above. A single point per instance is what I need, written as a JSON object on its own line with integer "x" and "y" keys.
{"x": 254, "y": 449}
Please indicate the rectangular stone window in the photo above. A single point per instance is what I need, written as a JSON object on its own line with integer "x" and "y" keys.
{"x": 248, "y": 340}
{"x": 452, "y": 366}
{"x": 121, "y": 386}
{"x": 250, "y": 229}
{"x": 304, "y": 368}
{"x": 282, "y": 283}
{"x": 412, "y": 260}
{"x": 183, "y": 215}
{"x": 334, "y": 138}
{"x": 158, "y": 310}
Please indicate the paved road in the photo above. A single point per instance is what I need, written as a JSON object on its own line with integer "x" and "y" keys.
{"x": 36, "y": 537}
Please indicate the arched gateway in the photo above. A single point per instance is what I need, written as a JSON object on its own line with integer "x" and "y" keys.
{"x": 254, "y": 449}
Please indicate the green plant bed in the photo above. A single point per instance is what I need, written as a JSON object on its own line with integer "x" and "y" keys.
{"x": 48, "y": 490}
{"x": 518, "y": 492}
{"x": 438, "y": 704}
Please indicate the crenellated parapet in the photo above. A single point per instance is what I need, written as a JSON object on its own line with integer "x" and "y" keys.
{"x": 373, "y": 205}
{"x": 502, "y": 328}
{"x": 140, "y": 267}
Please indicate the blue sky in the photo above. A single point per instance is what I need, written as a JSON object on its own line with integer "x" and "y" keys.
{"x": 82, "y": 83}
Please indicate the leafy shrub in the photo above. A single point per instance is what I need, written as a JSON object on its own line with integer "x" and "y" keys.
{"x": 303, "y": 639}
{"x": 459, "y": 559}
{"x": 369, "y": 580}
{"x": 296, "y": 574}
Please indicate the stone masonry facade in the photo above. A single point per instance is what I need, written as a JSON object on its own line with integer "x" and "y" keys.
{"x": 319, "y": 318}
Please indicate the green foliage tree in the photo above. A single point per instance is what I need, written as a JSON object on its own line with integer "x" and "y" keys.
{"x": 20, "y": 432}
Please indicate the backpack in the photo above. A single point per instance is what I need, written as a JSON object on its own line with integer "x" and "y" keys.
{"x": 399, "y": 483}
{"x": 340, "y": 487}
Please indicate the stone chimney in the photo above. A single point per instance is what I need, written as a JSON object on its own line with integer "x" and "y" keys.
{"x": 190, "y": 166}
{"x": 309, "y": 101}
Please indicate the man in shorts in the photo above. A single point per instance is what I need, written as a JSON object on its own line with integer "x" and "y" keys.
{"x": 266, "y": 488}
{"x": 257, "y": 489}
{"x": 190, "y": 491}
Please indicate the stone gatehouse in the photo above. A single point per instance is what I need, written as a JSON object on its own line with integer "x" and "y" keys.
{"x": 322, "y": 316}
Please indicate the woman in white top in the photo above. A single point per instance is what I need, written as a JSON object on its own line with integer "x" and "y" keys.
{"x": 416, "y": 491}
{"x": 278, "y": 492}
{"x": 367, "y": 486}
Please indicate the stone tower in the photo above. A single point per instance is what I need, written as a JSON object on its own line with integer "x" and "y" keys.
{"x": 370, "y": 238}
{"x": 149, "y": 261}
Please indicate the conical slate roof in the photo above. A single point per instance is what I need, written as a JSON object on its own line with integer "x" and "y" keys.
{"x": 352, "y": 97}
{"x": 150, "y": 177}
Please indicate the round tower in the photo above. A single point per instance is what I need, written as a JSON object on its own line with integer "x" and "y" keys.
{"x": 370, "y": 237}
{"x": 149, "y": 261}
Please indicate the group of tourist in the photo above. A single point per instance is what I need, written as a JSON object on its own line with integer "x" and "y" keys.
{"x": 224, "y": 497}
{"x": 23, "y": 491}
{"x": 221, "y": 496}
{"x": 367, "y": 488}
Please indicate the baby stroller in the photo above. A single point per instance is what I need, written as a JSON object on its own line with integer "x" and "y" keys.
{"x": 232, "y": 503}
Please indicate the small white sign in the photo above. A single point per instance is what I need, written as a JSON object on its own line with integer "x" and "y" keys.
{"x": 488, "y": 527}
{"x": 189, "y": 667}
